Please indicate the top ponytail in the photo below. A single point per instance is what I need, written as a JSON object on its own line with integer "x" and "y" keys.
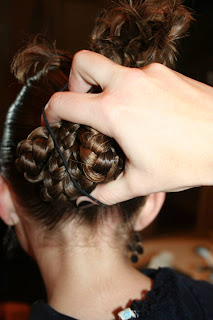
{"x": 136, "y": 33}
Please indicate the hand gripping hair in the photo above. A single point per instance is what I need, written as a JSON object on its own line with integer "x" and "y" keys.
{"x": 131, "y": 33}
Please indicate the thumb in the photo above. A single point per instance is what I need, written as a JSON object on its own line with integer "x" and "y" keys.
{"x": 115, "y": 191}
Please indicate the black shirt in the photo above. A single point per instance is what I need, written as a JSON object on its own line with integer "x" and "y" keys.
{"x": 173, "y": 297}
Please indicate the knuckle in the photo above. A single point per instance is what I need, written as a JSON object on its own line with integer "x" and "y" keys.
{"x": 155, "y": 67}
{"x": 105, "y": 196}
{"x": 132, "y": 75}
{"x": 77, "y": 58}
{"x": 55, "y": 102}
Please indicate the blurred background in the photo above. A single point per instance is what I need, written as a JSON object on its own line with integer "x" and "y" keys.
{"x": 186, "y": 220}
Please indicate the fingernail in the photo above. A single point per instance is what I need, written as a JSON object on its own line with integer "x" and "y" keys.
{"x": 85, "y": 204}
{"x": 83, "y": 200}
{"x": 1, "y": 183}
{"x": 45, "y": 108}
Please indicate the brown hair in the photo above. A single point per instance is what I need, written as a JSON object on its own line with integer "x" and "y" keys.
{"x": 132, "y": 35}
{"x": 139, "y": 32}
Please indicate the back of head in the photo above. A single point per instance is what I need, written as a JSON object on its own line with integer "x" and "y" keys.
{"x": 131, "y": 33}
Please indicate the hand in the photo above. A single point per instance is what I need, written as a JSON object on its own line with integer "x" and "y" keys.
{"x": 162, "y": 120}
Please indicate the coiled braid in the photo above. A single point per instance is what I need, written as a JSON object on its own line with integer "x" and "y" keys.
{"x": 91, "y": 156}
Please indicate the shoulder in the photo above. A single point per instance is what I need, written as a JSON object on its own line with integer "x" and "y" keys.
{"x": 186, "y": 298}
{"x": 201, "y": 292}
{"x": 42, "y": 311}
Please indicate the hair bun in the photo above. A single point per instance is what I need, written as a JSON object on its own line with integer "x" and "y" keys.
{"x": 135, "y": 33}
{"x": 91, "y": 157}
{"x": 33, "y": 153}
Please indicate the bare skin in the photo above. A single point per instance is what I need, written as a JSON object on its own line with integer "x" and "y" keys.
{"x": 87, "y": 276}
{"x": 87, "y": 273}
{"x": 162, "y": 120}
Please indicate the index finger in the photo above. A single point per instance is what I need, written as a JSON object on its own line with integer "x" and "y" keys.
{"x": 82, "y": 108}
{"x": 89, "y": 69}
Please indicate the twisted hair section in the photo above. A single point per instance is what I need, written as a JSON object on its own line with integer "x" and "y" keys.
{"x": 38, "y": 58}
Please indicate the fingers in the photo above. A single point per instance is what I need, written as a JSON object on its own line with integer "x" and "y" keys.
{"x": 82, "y": 108}
{"x": 119, "y": 190}
{"x": 90, "y": 68}
{"x": 114, "y": 191}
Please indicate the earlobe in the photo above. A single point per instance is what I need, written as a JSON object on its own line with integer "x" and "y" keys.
{"x": 149, "y": 211}
{"x": 7, "y": 209}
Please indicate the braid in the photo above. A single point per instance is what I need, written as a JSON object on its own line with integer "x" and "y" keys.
{"x": 91, "y": 157}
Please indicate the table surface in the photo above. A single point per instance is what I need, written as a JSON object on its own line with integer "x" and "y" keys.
{"x": 183, "y": 249}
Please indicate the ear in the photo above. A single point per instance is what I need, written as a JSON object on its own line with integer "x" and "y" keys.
{"x": 7, "y": 210}
{"x": 149, "y": 211}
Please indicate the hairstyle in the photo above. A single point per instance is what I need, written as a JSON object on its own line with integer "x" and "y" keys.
{"x": 131, "y": 33}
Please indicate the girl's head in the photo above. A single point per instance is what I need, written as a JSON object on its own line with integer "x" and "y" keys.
{"x": 37, "y": 191}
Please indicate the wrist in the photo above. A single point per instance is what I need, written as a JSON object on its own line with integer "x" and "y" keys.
{"x": 205, "y": 145}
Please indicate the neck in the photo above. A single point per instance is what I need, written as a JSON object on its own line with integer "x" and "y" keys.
{"x": 89, "y": 282}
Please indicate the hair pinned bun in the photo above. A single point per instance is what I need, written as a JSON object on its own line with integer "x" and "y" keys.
{"x": 136, "y": 33}
{"x": 91, "y": 157}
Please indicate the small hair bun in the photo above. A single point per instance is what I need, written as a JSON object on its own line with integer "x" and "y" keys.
{"x": 38, "y": 58}
{"x": 135, "y": 33}
{"x": 33, "y": 153}
{"x": 92, "y": 158}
